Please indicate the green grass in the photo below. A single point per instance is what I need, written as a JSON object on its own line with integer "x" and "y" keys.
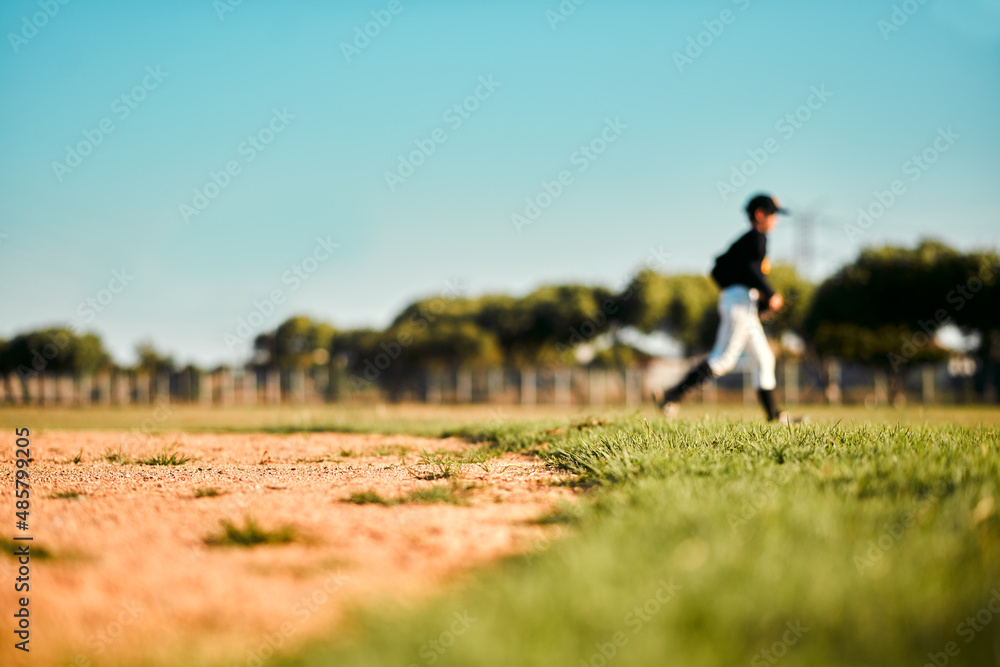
{"x": 451, "y": 494}
{"x": 368, "y": 498}
{"x": 207, "y": 492}
{"x": 877, "y": 530}
{"x": 115, "y": 456}
{"x": 10, "y": 548}
{"x": 250, "y": 535}
{"x": 66, "y": 495}
{"x": 879, "y": 539}
{"x": 167, "y": 457}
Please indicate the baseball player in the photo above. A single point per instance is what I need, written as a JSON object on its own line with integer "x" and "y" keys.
{"x": 741, "y": 274}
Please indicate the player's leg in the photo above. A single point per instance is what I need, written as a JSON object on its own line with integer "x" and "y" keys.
{"x": 763, "y": 357}
{"x": 729, "y": 343}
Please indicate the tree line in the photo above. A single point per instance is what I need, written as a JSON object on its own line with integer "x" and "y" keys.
{"x": 882, "y": 309}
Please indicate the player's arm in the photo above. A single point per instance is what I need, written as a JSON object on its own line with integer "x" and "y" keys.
{"x": 759, "y": 267}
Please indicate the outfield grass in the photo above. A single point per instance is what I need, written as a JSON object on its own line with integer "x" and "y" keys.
{"x": 711, "y": 542}
{"x": 429, "y": 420}
{"x": 867, "y": 538}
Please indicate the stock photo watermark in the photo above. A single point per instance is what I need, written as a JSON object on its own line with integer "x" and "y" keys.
{"x": 899, "y": 17}
{"x": 894, "y": 531}
{"x": 968, "y": 630}
{"x": 223, "y": 7}
{"x": 101, "y": 641}
{"x": 714, "y": 28}
{"x": 635, "y": 620}
{"x": 32, "y": 23}
{"x": 301, "y": 612}
{"x": 122, "y": 107}
{"x": 264, "y": 308}
{"x": 958, "y": 298}
{"x": 455, "y": 116}
{"x": 87, "y": 311}
{"x": 562, "y": 13}
{"x": 582, "y": 158}
{"x": 364, "y": 34}
{"x": 656, "y": 259}
{"x": 787, "y": 126}
{"x": 914, "y": 168}
{"x": 248, "y": 149}
{"x": 432, "y": 651}
{"x": 779, "y": 649}
{"x": 426, "y": 315}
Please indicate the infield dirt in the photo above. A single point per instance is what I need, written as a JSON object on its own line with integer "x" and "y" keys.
{"x": 132, "y": 574}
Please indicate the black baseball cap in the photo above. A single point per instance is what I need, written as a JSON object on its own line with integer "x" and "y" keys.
{"x": 766, "y": 203}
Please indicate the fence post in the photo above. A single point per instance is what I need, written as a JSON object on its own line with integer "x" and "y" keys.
{"x": 529, "y": 386}
{"x": 597, "y": 389}
{"x": 104, "y": 388}
{"x": 927, "y": 383}
{"x": 85, "y": 390}
{"x": 142, "y": 388}
{"x": 563, "y": 393}
{"x": 250, "y": 386}
{"x": 433, "y": 388}
{"x": 881, "y": 393}
{"x": 205, "y": 389}
{"x": 633, "y": 387}
{"x": 834, "y": 394}
{"x": 163, "y": 388}
{"x": 463, "y": 386}
{"x": 494, "y": 384}
{"x": 123, "y": 394}
{"x": 273, "y": 387}
{"x": 791, "y": 382}
{"x": 297, "y": 385}
{"x": 228, "y": 388}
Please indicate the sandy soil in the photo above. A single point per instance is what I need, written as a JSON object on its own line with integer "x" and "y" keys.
{"x": 133, "y": 577}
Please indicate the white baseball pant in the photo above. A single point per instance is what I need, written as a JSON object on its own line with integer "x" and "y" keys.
{"x": 740, "y": 329}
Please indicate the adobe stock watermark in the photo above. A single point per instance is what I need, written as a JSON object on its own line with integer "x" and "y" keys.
{"x": 248, "y": 149}
{"x": 958, "y": 298}
{"x": 779, "y": 649}
{"x": 914, "y": 168}
{"x": 899, "y": 17}
{"x": 263, "y": 309}
{"x": 426, "y": 315}
{"x": 562, "y": 13}
{"x": 750, "y": 507}
{"x": 301, "y": 611}
{"x": 223, "y": 7}
{"x": 455, "y": 116}
{"x": 714, "y": 28}
{"x": 582, "y": 158}
{"x": 656, "y": 259}
{"x": 968, "y": 629}
{"x": 122, "y": 107}
{"x": 634, "y": 620}
{"x": 87, "y": 311}
{"x": 100, "y": 641}
{"x": 363, "y": 35}
{"x": 893, "y": 532}
{"x": 31, "y": 24}
{"x": 787, "y": 127}
{"x": 433, "y": 650}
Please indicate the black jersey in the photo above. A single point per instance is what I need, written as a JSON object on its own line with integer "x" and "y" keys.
{"x": 745, "y": 263}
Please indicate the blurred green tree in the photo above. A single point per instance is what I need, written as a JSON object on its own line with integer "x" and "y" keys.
{"x": 886, "y": 306}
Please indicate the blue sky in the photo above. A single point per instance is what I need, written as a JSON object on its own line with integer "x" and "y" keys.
{"x": 336, "y": 126}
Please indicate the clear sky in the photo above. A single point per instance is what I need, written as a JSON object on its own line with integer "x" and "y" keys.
{"x": 114, "y": 114}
